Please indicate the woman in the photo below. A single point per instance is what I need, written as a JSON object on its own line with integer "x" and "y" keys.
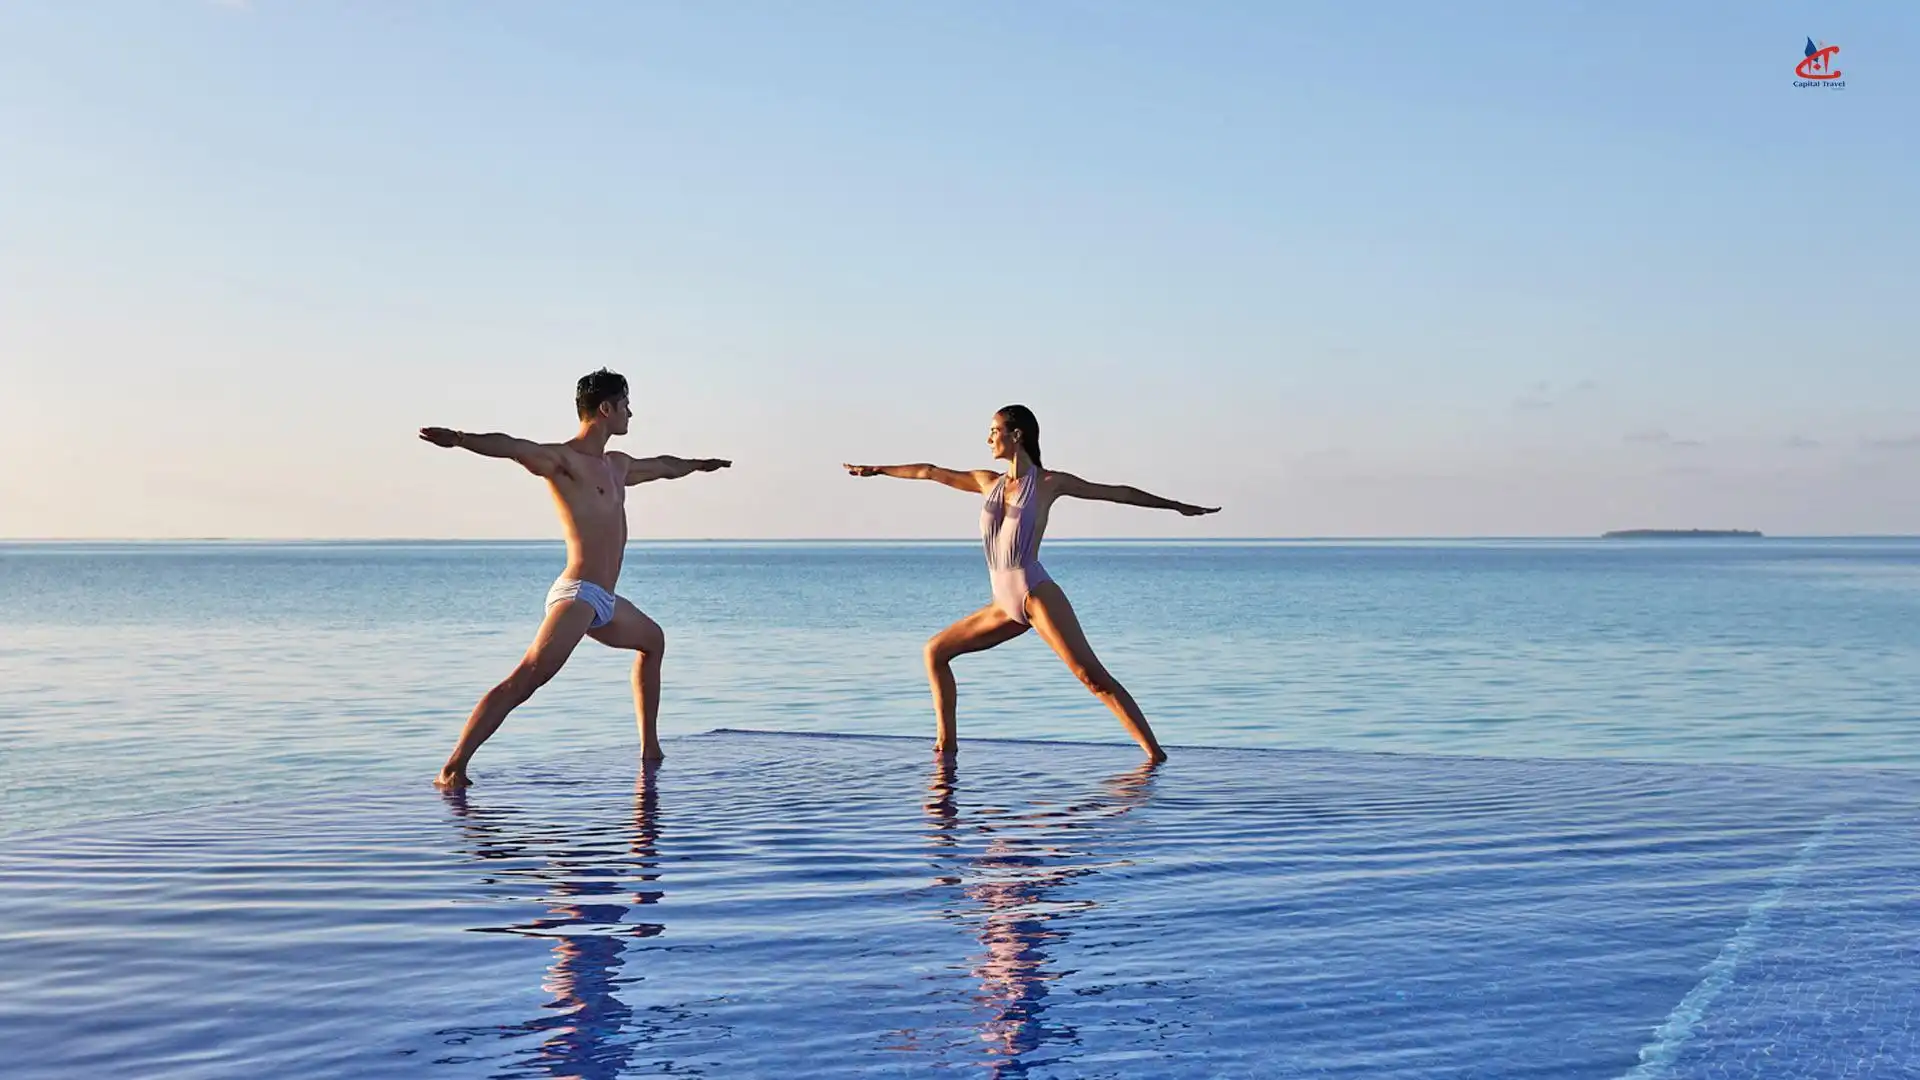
{"x": 1012, "y": 523}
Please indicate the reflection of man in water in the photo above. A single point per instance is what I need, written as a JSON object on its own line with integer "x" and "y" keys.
{"x": 1028, "y": 856}
{"x": 584, "y": 1022}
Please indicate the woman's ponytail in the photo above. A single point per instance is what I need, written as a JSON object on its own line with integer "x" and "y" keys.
{"x": 1021, "y": 419}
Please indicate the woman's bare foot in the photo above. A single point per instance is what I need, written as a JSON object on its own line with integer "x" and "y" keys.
{"x": 452, "y": 779}
{"x": 653, "y": 753}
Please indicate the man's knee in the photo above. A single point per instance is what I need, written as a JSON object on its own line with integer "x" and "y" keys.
{"x": 531, "y": 675}
{"x": 653, "y": 646}
{"x": 936, "y": 652}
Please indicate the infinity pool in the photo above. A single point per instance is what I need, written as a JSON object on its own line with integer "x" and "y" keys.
{"x": 781, "y": 905}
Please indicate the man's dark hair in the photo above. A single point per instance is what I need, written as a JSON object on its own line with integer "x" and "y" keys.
{"x": 596, "y": 389}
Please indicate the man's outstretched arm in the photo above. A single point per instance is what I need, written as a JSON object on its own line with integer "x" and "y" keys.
{"x": 537, "y": 458}
{"x": 668, "y": 467}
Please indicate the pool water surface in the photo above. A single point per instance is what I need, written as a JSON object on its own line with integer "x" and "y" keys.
{"x": 812, "y": 905}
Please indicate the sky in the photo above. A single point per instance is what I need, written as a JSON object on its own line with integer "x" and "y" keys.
{"x": 1391, "y": 269}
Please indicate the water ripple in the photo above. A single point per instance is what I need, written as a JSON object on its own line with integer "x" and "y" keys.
{"x": 763, "y": 904}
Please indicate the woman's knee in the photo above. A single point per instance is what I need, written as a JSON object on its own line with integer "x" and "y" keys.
{"x": 1094, "y": 678}
{"x": 937, "y": 653}
{"x": 531, "y": 675}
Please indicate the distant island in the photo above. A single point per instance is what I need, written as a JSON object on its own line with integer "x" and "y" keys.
{"x": 1681, "y": 534}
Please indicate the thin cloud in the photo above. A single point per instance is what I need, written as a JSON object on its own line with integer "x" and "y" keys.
{"x": 1659, "y": 436}
{"x": 1541, "y": 396}
{"x": 1903, "y": 442}
{"x": 1801, "y": 442}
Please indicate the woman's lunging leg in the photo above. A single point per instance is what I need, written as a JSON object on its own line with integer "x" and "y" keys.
{"x": 981, "y": 630}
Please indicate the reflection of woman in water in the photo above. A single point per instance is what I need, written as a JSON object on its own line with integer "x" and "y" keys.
{"x": 1012, "y": 523}
{"x": 1010, "y": 885}
{"x": 587, "y": 906}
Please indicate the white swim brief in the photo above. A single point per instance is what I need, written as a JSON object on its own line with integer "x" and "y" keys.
{"x": 595, "y": 597}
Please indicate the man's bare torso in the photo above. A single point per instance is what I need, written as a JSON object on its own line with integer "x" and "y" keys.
{"x": 590, "y": 492}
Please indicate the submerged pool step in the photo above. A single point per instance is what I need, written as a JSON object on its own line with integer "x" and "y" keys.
{"x": 1829, "y": 984}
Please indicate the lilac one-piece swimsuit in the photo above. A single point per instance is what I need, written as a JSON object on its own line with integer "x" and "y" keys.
{"x": 1011, "y": 537}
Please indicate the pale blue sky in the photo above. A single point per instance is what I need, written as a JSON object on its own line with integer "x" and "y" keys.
{"x": 1380, "y": 269}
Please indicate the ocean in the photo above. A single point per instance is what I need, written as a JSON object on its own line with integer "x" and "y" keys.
{"x": 152, "y": 675}
{"x": 1473, "y": 810}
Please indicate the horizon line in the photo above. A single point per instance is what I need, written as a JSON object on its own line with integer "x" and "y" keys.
{"x": 1319, "y": 538}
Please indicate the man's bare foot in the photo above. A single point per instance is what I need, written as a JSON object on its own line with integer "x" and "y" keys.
{"x": 1155, "y": 754}
{"x": 452, "y": 780}
{"x": 945, "y": 750}
{"x": 653, "y": 753}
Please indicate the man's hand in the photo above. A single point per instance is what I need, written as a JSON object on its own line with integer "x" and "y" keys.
{"x": 1196, "y": 511}
{"x": 861, "y": 470}
{"x": 440, "y": 436}
{"x": 712, "y": 464}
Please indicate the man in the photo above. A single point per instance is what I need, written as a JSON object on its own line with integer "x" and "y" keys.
{"x": 589, "y": 485}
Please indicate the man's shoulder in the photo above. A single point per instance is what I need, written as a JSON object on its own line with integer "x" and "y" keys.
{"x": 574, "y": 453}
{"x": 567, "y": 457}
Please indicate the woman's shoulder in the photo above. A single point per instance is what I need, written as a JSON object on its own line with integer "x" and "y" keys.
{"x": 1055, "y": 482}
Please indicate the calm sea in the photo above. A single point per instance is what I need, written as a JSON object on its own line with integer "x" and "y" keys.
{"x": 162, "y": 675}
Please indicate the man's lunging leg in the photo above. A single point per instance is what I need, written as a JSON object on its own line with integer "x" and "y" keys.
{"x": 646, "y": 702}
{"x": 632, "y": 629}
{"x": 565, "y": 624}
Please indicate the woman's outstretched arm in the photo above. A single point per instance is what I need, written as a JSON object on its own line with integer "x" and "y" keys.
{"x": 1072, "y": 486}
{"x": 975, "y": 481}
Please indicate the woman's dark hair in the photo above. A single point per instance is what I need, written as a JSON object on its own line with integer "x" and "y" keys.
{"x": 1021, "y": 419}
{"x": 597, "y": 388}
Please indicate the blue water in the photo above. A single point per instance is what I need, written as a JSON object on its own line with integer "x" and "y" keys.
{"x": 162, "y": 674}
{"x": 780, "y": 905}
{"x": 1549, "y": 809}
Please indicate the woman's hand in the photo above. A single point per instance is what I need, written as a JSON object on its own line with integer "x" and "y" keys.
{"x": 861, "y": 470}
